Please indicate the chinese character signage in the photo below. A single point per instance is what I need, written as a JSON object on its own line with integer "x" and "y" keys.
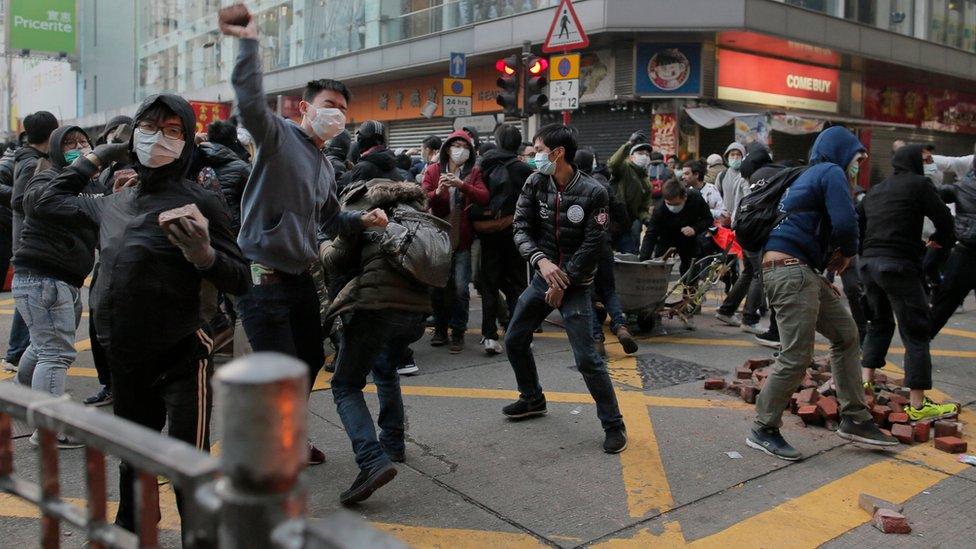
{"x": 207, "y": 112}
{"x": 924, "y": 106}
{"x": 667, "y": 69}
{"x": 664, "y": 133}
{"x": 42, "y": 26}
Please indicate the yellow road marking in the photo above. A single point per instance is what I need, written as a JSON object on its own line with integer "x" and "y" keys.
{"x": 670, "y": 537}
{"x": 6, "y": 301}
{"x": 643, "y": 473}
{"x": 623, "y": 368}
{"x": 83, "y": 345}
{"x": 14, "y": 507}
{"x": 827, "y": 512}
{"x": 957, "y": 332}
{"x": 450, "y": 538}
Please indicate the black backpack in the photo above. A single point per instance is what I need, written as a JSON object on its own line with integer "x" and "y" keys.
{"x": 500, "y": 189}
{"x": 759, "y": 212}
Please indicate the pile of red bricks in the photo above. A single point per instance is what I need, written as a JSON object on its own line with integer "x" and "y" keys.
{"x": 816, "y": 404}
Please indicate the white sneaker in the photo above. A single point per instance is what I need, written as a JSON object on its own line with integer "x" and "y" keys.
{"x": 408, "y": 369}
{"x": 752, "y": 328}
{"x": 8, "y": 366}
{"x": 731, "y": 320}
{"x": 64, "y": 441}
{"x": 492, "y": 347}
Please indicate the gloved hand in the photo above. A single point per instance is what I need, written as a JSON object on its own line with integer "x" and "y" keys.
{"x": 111, "y": 152}
{"x": 192, "y": 237}
{"x": 638, "y": 137}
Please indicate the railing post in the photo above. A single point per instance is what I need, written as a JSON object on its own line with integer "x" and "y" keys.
{"x": 261, "y": 398}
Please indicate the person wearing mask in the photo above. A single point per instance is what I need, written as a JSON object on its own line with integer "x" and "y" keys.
{"x": 54, "y": 257}
{"x": 604, "y": 284}
{"x": 715, "y": 166}
{"x": 453, "y": 186}
{"x": 527, "y": 154}
{"x": 677, "y": 223}
{"x": 337, "y": 151}
{"x": 560, "y": 225}
{"x": 160, "y": 362}
{"x": 232, "y": 172}
{"x": 819, "y": 233}
{"x": 658, "y": 172}
{"x": 384, "y": 313}
{"x": 693, "y": 176}
{"x": 731, "y": 183}
{"x": 289, "y": 199}
{"x": 748, "y": 285}
{"x": 502, "y": 268}
{"x": 38, "y": 128}
{"x": 375, "y": 160}
{"x": 891, "y": 217}
{"x": 958, "y": 279}
{"x": 628, "y": 178}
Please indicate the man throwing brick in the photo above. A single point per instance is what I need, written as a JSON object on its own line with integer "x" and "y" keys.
{"x": 794, "y": 256}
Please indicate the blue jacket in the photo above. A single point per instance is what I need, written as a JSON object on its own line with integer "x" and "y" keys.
{"x": 821, "y": 216}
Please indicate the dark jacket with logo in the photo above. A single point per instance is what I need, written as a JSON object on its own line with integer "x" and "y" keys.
{"x": 566, "y": 226}
{"x": 51, "y": 245}
{"x": 146, "y": 298}
{"x": 232, "y": 174}
{"x": 892, "y": 212}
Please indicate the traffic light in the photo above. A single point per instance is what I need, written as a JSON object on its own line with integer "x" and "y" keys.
{"x": 535, "y": 82}
{"x": 508, "y": 83}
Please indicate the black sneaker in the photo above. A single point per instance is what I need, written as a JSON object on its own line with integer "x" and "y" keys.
{"x": 865, "y": 432}
{"x": 366, "y": 483}
{"x": 457, "y": 343}
{"x": 615, "y": 441}
{"x": 626, "y": 340}
{"x": 101, "y": 398}
{"x": 439, "y": 339}
{"x": 523, "y": 408}
{"x": 395, "y": 457}
{"x": 773, "y": 443}
{"x": 768, "y": 339}
{"x": 315, "y": 456}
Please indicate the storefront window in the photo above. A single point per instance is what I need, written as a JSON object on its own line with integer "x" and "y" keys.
{"x": 830, "y": 7}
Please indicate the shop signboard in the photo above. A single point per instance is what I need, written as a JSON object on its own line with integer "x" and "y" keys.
{"x": 920, "y": 105}
{"x": 667, "y": 69}
{"x": 755, "y": 79}
{"x": 48, "y": 26}
{"x": 207, "y": 112}
{"x": 749, "y": 129}
{"x": 664, "y": 133}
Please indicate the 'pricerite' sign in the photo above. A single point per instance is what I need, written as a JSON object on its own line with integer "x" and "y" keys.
{"x": 42, "y": 26}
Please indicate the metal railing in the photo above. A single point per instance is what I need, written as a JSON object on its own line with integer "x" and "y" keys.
{"x": 252, "y": 495}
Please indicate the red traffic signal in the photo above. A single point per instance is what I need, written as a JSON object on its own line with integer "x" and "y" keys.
{"x": 537, "y": 65}
{"x": 507, "y": 65}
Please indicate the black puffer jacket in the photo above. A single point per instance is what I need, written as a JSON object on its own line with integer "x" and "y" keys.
{"x": 25, "y": 164}
{"x": 232, "y": 173}
{"x": 51, "y": 245}
{"x": 146, "y": 298}
{"x": 378, "y": 163}
{"x": 963, "y": 195}
{"x": 568, "y": 227}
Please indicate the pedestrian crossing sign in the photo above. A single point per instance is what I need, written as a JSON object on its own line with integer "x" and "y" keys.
{"x": 565, "y": 33}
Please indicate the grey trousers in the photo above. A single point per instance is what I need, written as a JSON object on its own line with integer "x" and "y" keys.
{"x": 805, "y": 304}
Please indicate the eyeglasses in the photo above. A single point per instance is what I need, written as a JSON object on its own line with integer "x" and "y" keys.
{"x": 150, "y": 128}
{"x": 79, "y": 143}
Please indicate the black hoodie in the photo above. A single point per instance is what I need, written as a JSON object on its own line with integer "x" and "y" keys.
{"x": 146, "y": 298}
{"x": 503, "y": 193}
{"x": 25, "y": 164}
{"x": 232, "y": 173}
{"x": 891, "y": 214}
{"x": 378, "y": 162}
{"x": 52, "y": 246}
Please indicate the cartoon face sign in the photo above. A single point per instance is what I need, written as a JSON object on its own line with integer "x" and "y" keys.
{"x": 669, "y": 69}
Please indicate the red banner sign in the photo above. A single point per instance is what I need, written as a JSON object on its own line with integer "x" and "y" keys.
{"x": 923, "y": 106}
{"x": 664, "y": 133}
{"x": 207, "y": 112}
{"x": 755, "y": 79}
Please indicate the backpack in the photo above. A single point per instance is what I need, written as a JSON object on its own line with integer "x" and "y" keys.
{"x": 759, "y": 212}
{"x": 500, "y": 187}
{"x": 418, "y": 244}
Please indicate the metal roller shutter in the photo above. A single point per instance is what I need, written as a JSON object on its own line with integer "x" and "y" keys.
{"x": 408, "y": 134}
{"x": 604, "y": 130}
{"x": 792, "y": 147}
{"x": 946, "y": 144}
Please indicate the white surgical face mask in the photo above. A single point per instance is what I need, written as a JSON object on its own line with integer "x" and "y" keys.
{"x": 543, "y": 165}
{"x": 155, "y": 149}
{"x": 641, "y": 160}
{"x": 328, "y": 122}
{"x": 460, "y": 155}
{"x": 675, "y": 208}
{"x": 735, "y": 164}
{"x": 930, "y": 169}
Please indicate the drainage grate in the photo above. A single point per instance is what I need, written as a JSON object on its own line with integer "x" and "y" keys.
{"x": 659, "y": 371}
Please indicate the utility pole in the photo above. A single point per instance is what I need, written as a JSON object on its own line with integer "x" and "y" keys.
{"x": 526, "y": 52}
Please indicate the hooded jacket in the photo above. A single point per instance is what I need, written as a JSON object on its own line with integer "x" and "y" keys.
{"x": 337, "y": 151}
{"x": 52, "y": 246}
{"x": 630, "y": 184}
{"x": 892, "y": 211}
{"x": 25, "y": 165}
{"x": 232, "y": 173}
{"x": 376, "y": 163}
{"x": 820, "y": 210}
{"x": 731, "y": 183}
{"x": 566, "y": 226}
{"x": 471, "y": 192}
{"x": 146, "y": 298}
{"x": 115, "y": 122}
{"x": 963, "y": 195}
{"x": 501, "y": 201}
{"x": 378, "y": 285}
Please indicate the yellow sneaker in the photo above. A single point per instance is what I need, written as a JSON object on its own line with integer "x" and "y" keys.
{"x": 931, "y": 410}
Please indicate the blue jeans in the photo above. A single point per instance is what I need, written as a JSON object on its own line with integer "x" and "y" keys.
{"x": 606, "y": 291}
{"x": 19, "y": 339}
{"x": 451, "y": 303}
{"x": 51, "y": 308}
{"x": 577, "y": 312}
{"x": 373, "y": 341}
{"x": 284, "y": 317}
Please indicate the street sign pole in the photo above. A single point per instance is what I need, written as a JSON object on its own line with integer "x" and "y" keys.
{"x": 567, "y": 115}
{"x": 526, "y": 51}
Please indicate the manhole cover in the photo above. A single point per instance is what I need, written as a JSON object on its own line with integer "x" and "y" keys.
{"x": 659, "y": 371}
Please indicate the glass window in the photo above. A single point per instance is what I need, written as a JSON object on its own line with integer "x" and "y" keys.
{"x": 159, "y": 72}
{"x": 953, "y": 23}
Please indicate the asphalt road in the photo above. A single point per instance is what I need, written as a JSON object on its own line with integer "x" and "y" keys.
{"x": 474, "y": 479}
